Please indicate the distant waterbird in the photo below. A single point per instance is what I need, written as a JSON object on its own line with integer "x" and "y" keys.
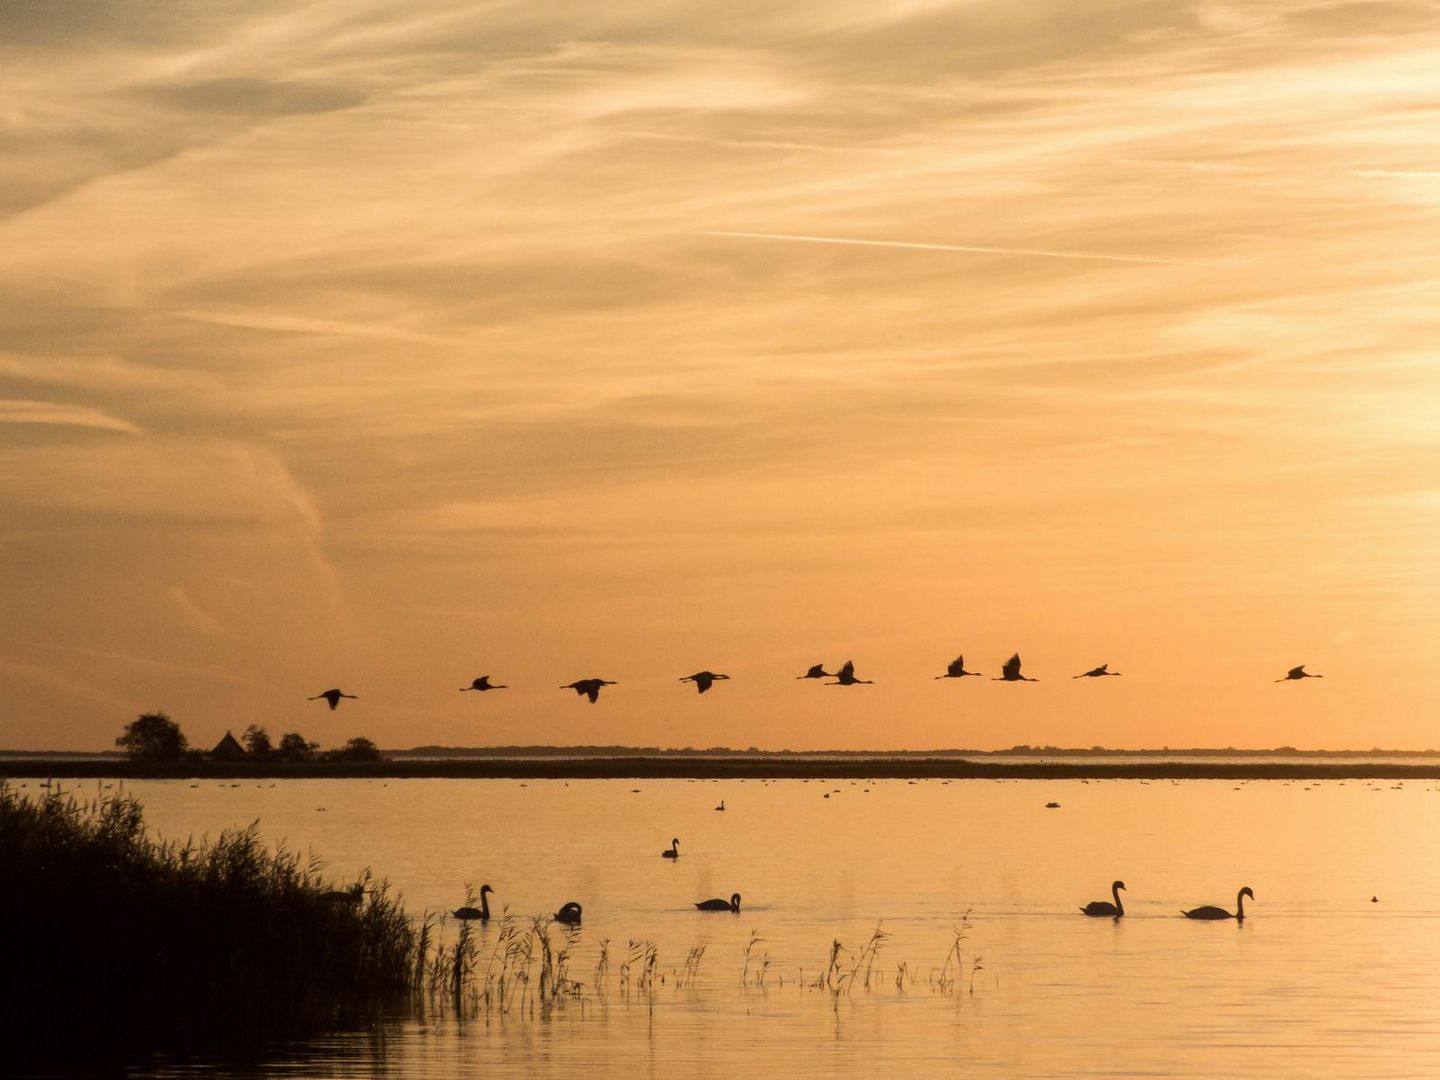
{"x": 482, "y": 912}
{"x": 733, "y": 904}
{"x": 353, "y": 895}
{"x": 1011, "y": 672}
{"x": 1097, "y": 673}
{"x": 703, "y": 679}
{"x": 569, "y": 915}
{"x": 956, "y": 669}
{"x": 483, "y": 683}
{"x": 721, "y": 806}
{"x": 817, "y": 671}
{"x": 846, "y": 677}
{"x": 673, "y": 852}
{"x": 1211, "y": 912}
{"x": 333, "y": 697}
{"x": 1104, "y": 909}
{"x": 1298, "y": 673}
{"x": 588, "y": 687}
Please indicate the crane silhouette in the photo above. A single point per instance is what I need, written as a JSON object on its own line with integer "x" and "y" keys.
{"x": 846, "y": 676}
{"x": 1293, "y": 673}
{"x": 703, "y": 679}
{"x": 1097, "y": 672}
{"x": 483, "y": 683}
{"x": 589, "y": 687}
{"x": 817, "y": 671}
{"x": 332, "y": 696}
{"x": 1011, "y": 672}
{"x": 956, "y": 670}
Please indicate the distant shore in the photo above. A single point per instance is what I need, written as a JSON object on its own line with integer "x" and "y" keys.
{"x": 711, "y": 768}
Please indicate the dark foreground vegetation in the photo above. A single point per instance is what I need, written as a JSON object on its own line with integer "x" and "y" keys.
{"x": 118, "y": 944}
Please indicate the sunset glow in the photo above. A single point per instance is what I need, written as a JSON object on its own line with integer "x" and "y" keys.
{"x": 381, "y": 347}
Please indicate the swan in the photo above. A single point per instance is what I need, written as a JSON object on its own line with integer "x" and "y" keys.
{"x": 1211, "y": 912}
{"x": 482, "y": 912}
{"x": 1103, "y": 909}
{"x": 721, "y": 806}
{"x": 674, "y": 852}
{"x": 353, "y": 895}
{"x": 569, "y": 914}
{"x": 733, "y": 904}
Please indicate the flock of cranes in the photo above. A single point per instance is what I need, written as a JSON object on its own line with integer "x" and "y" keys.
{"x": 703, "y": 680}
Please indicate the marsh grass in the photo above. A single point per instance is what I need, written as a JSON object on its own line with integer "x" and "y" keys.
{"x": 120, "y": 944}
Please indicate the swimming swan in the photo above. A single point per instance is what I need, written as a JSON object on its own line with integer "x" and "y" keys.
{"x": 1211, "y": 912}
{"x": 482, "y": 912}
{"x": 1102, "y": 909}
{"x": 674, "y": 852}
{"x": 569, "y": 914}
{"x": 733, "y": 904}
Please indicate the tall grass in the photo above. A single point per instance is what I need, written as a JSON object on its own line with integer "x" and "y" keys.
{"x": 118, "y": 944}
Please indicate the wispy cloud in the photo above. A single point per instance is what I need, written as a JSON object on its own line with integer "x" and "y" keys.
{"x": 966, "y": 248}
{"x": 62, "y": 415}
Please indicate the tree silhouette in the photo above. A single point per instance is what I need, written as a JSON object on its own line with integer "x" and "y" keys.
{"x": 356, "y": 749}
{"x": 257, "y": 742}
{"x": 295, "y": 747}
{"x": 153, "y": 737}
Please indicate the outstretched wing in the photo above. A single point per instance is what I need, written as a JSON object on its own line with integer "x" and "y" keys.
{"x": 957, "y": 667}
{"x": 1011, "y": 669}
{"x": 1296, "y": 672}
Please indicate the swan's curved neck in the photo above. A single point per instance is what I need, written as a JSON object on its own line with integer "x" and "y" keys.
{"x": 1115, "y": 892}
{"x": 1240, "y": 905}
{"x": 485, "y": 905}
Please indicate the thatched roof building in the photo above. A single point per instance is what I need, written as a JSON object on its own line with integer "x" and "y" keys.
{"x": 229, "y": 749}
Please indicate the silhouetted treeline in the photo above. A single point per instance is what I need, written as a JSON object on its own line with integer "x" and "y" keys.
{"x": 118, "y": 945}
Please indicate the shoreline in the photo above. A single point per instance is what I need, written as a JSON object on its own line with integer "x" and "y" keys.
{"x": 673, "y": 768}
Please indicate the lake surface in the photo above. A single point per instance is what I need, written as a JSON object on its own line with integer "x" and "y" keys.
{"x": 1318, "y": 980}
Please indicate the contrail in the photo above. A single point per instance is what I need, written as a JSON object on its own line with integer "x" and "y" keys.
{"x": 953, "y": 247}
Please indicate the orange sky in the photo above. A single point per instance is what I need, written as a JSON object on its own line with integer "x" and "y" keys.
{"x": 348, "y": 344}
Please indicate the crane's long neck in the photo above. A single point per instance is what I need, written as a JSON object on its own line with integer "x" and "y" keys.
{"x": 1119, "y": 907}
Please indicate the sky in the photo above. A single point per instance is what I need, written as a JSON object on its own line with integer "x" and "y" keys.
{"x": 378, "y": 346}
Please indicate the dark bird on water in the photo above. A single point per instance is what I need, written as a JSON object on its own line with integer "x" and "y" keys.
{"x": 1211, "y": 912}
{"x": 1097, "y": 672}
{"x": 1299, "y": 673}
{"x": 589, "y": 687}
{"x": 703, "y": 679}
{"x": 483, "y": 683}
{"x": 482, "y": 912}
{"x": 817, "y": 671}
{"x": 1011, "y": 672}
{"x": 569, "y": 914}
{"x": 956, "y": 670}
{"x": 674, "y": 852}
{"x": 721, "y": 806}
{"x": 733, "y": 904}
{"x": 1103, "y": 909}
{"x": 332, "y": 696}
{"x": 846, "y": 676}
{"x": 353, "y": 895}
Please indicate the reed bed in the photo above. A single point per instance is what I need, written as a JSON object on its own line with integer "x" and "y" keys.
{"x": 119, "y": 944}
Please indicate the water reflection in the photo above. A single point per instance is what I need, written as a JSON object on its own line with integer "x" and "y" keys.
{"x": 1318, "y": 979}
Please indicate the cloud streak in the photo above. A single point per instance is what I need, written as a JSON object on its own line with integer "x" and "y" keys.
{"x": 964, "y": 248}
{"x": 60, "y": 414}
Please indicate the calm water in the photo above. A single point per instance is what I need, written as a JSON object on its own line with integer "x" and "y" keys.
{"x": 1317, "y": 980}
